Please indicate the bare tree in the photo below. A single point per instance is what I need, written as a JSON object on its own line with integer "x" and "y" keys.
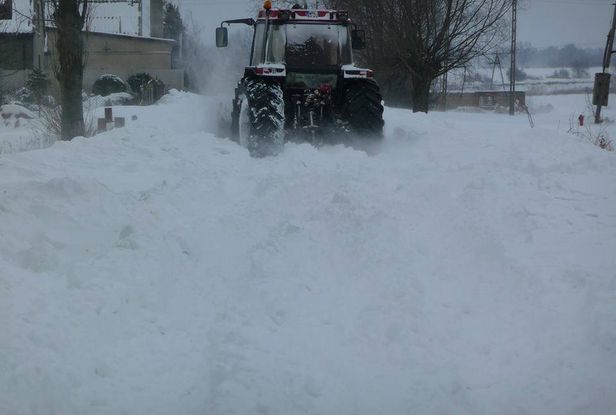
{"x": 4, "y": 17}
{"x": 7, "y": 50}
{"x": 424, "y": 39}
{"x": 69, "y": 17}
{"x": 580, "y": 68}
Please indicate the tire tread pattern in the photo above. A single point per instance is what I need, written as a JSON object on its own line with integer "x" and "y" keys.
{"x": 363, "y": 108}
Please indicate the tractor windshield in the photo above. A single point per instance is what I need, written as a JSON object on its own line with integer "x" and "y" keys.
{"x": 317, "y": 46}
{"x": 302, "y": 45}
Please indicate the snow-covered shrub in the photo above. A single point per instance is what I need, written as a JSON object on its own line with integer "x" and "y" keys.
{"x": 26, "y": 97}
{"x": 593, "y": 133}
{"x": 49, "y": 123}
{"x": 138, "y": 81}
{"x": 603, "y": 141}
{"x": 580, "y": 69}
{"x": 15, "y": 116}
{"x": 37, "y": 83}
{"x": 147, "y": 89}
{"x": 520, "y": 74}
{"x": 560, "y": 74}
{"x": 109, "y": 84}
{"x": 120, "y": 98}
{"x": 3, "y": 93}
{"x": 21, "y": 96}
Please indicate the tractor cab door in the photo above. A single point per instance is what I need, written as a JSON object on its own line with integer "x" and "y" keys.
{"x": 268, "y": 47}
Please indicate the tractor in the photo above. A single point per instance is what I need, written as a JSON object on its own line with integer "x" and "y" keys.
{"x": 301, "y": 83}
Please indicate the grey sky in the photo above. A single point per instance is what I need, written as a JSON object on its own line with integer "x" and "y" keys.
{"x": 559, "y": 22}
{"x": 542, "y": 22}
{"x": 209, "y": 13}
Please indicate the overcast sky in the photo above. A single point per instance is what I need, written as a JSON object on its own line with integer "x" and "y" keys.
{"x": 543, "y": 22}
{"x": 559, "y": 22}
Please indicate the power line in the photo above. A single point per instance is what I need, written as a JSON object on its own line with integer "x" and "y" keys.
{"x": 204, "y": 4}
{"x": 574, "y": 2}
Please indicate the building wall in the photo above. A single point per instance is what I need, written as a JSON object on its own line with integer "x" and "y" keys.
{"x": 13, "y": 79}
{"x": 109, "y": 52}
{"x": 484, "y": 99}
{"x": 33, "y": 45}
{"x": 173, "y": 78}
{"x": 124, "y": 56}
{"x": 16, "y": 51}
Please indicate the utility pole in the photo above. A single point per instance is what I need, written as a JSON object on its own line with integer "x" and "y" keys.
{"x": 444, "y": 87}
{"x": 514, "y": 34}
{"x": 602, "y": 80}
{"x": 497, "y": 62}
{"x": 140, "y": 18}
{"x": 38, "y": 23}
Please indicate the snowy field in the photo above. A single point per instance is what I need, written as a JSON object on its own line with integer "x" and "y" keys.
{"x": 467, "y": 268}
{"x": 540, "y": 81}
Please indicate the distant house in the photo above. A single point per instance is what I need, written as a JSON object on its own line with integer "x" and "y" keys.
{"x": 488, "y": 100}
{"x": 113, "y": 46}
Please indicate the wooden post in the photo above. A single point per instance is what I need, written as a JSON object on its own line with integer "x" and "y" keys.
{"x": 108, "y": 114}
{"x": 109, "y": 118}
{"x": 101, "y": 126}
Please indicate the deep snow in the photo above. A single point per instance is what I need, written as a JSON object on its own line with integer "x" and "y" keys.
{"x": 467, "y": 268}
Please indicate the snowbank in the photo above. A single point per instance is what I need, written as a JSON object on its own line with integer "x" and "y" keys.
{"x": 467, "y": 268}
{"x": 18, "y": 130}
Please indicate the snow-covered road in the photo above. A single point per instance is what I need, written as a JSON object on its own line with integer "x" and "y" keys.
{"x": 467, "y": 268}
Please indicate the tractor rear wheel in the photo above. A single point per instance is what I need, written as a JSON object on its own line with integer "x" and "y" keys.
{"x": 258, "y": 118}
{"x": 363, "y": 108}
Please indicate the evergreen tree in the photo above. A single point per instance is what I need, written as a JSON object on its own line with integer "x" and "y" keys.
{"x": 173, "y": 26}
{"x": 37, "y": 83}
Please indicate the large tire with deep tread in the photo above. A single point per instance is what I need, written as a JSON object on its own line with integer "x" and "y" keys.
{"x": 264, "y": 103}
{"x": 363, "y": 108}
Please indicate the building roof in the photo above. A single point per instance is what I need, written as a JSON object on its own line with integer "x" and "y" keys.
{"x": 124, "y": 36}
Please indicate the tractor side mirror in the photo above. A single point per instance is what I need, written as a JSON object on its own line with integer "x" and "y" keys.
{"x": 358, "y": 39}
{"x": 222, "y": 37}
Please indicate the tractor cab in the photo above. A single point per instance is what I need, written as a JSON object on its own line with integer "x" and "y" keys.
{"x": 318, "y": 41}
{"x": 308, "y": 55}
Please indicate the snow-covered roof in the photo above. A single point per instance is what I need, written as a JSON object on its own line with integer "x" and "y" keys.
{"x": 124, "y": 35}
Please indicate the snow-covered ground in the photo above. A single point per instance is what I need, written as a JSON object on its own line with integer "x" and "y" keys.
{"x": 466, "y": 268}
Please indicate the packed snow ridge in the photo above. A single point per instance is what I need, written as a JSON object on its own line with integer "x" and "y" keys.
{"x": 467, "y": 267}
